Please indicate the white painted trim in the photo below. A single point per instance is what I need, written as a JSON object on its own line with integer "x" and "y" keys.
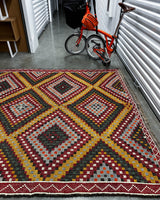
{"x": 57, "y": 5}
{"x": 6, "y": 11}
{"x": 50, "y": 11}
{"x": 30, "y": 25}
{"x": 12, "y": 54}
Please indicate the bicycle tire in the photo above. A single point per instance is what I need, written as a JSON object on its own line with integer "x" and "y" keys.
{"x": 70, "y": 44}
{"x": 94, "y": 41}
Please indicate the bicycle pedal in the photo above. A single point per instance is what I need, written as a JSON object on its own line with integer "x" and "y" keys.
{"x": 106, "y": 62}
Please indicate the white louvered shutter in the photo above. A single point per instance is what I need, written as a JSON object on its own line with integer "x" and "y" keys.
{"x": 41, "y": 14}
{"x": 139, "y": 47}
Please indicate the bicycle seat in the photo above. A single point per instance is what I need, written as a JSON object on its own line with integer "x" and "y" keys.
{"x": 126, "y": 8}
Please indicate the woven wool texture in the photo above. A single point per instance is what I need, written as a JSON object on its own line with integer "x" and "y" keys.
{"x": 64, "y": 132}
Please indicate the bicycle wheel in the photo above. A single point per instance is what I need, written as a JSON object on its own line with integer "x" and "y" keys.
{"x": 95, "y": 42}
{"x": 71, "y": 45}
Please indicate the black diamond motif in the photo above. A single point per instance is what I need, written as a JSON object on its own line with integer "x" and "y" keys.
{"x": 4, "y": 86}
{"x": 139, "y": 137}
{"x": 63, "y": 87}
{"x": 118, "y": 85}
{"x": 52, "y": 138}
{"x": 73, "y": 172}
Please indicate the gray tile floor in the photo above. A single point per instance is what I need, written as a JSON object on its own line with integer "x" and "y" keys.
{"x": 52, "y": 55}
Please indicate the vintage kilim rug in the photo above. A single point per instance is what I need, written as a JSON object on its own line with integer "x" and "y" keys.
{"x": 73, "y": 132}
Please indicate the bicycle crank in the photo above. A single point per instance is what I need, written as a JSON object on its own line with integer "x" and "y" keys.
{"x": 101, "y": 53}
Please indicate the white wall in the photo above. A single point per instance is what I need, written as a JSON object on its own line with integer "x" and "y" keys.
{"x": 108, "y": 20}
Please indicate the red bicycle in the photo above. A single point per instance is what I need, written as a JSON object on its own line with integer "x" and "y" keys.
{"x": 97, "y": 46}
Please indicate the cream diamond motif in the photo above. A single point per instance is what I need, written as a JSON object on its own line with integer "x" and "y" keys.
{"x": 96, "y": 107}
{"x": 21, "y": 107}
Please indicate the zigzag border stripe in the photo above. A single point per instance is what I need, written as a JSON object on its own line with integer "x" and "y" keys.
{"x": 31, "y": 188}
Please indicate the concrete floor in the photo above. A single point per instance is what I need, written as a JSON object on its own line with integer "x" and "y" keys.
{"x": 52, "y": 55}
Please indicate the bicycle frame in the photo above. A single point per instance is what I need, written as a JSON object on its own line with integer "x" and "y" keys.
{"x": 104, "y": 53}
{"x": 106, "y": 35}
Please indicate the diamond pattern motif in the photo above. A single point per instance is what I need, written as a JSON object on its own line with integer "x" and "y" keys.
{"x": 53, "y": 137}
{"x": 74, "y": 126}
{"x": 35, "y": 77}
{"x": 114, "y": 86}
{"x": 9, "y": 84}
{"x": 17, "y": 111}
{"x": 90, "y": 76}
{"x": 96, "y": 107}
{"x": 62, "y": 88}
{"x": 37, "y": 141}
{"x": 102, "y": 115}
